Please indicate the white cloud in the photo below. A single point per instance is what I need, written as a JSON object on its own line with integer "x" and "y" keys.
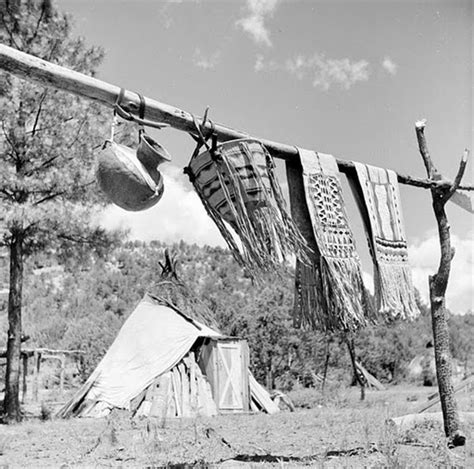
{"x": 206, "y": 62}
{"x": 389, "y": 65}
{"x": 424, "y": 258}
{"x": 261, "y": 64}
{"x": 258, "y": 11}
{"x": 179, "y": 215}
{"x": 165, "y": 11}
{"x": 326, "y": 72}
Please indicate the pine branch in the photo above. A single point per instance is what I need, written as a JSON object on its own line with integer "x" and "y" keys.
{"x": 76, "y": 138}
{"x": 8, "y": 193}
{"x": 40, "y": 107}
{"x": 42, "y": 129}
{"x": 53, "y": 195}
{"x": 15, "y": 157}
{"x": 49, "y": 197}
{"x": 43, "y": 165}
{"x": 35, "y": 34}
{"x": 8, "y": 30}
{"x": 77, "y": 239}
{"x": 53, "y": 50}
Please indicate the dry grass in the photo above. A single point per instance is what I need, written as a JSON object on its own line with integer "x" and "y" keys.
{"x": 338, "y": 431}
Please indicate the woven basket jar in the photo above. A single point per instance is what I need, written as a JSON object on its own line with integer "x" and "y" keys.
{"x": 248, "y": 160}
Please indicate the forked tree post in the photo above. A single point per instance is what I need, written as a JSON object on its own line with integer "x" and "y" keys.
{"x": 438, "y": 284}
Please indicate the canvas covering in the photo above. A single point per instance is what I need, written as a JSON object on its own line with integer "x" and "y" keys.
{"x": 151, "y": 341}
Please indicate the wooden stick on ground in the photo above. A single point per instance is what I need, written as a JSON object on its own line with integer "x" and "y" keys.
{"x": 434, "y": 398}
{"x": 408, "y": 421}
{"x": 357, "y": 375}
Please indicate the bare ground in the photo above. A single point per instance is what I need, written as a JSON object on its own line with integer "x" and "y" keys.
{"x": 339, "y": 431}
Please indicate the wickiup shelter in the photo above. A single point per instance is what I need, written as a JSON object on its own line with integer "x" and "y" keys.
{"x": 166, "y": 364}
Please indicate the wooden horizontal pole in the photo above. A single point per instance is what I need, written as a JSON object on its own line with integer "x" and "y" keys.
{"x": 46, "y": 73}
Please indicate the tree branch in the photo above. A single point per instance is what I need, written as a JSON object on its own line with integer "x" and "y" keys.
{"x": 28, "y": 229}
{"x": 8, "y": 193}
{"x": 40, "y": 19}
{"x": 78, "y": 239}
{"x": 16, "y": 156}
{"x": 7, "y": 29}
{"x": 425, "y": 154}
{"x": 459, "y": 175}
{"x": 49, "y": 197}
{"x": 42, "y": 129}
{"x": 53, "y": 195}
{"x": 76, "y": 138}
{"x": 53, "y": 48}
{"x": 40, "y": 107}
{"x": 43, "y": 165}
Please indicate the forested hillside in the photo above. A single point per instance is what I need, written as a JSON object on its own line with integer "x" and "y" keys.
{"x": 80, "y": 303}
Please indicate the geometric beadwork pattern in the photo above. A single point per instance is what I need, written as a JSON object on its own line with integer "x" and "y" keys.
{"x": 334, "y": 236}
{"x": 391, "y": 251}
{"x": 379, "y": 202}
{"x": 330, "y": 293}
{"x": 382, "y": 200}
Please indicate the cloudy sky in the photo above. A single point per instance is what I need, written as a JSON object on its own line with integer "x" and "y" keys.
{"x": 348, "y": 78}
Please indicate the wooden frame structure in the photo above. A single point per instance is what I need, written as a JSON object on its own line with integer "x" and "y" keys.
{"x": 39, "y": 354}
{"x": 48, "y": 74}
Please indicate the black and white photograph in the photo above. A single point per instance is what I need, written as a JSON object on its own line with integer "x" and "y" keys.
{"x": 236, "y": 234}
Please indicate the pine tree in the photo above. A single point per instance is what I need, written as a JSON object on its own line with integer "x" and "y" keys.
{"x": 47, "y": 140}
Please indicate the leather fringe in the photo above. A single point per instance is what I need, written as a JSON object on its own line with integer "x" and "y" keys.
{"x": 394, "y": 291}
{"x": 266, "y": 232}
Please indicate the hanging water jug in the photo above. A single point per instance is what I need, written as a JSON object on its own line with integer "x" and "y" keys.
{"x": 130, "y": 178}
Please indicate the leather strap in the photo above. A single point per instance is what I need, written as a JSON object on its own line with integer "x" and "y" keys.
{"x": 141, "y": 109}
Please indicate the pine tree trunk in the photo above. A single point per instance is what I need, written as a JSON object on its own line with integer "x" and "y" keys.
{"x": 11, "y": 405}
{"x": 438, "y": 284}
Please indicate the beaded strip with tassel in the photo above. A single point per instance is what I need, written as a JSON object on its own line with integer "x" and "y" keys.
{"x": 329, "y": 294}
{"x": 378, "y": 198}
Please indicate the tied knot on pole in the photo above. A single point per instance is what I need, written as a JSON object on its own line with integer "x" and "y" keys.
{"x": 129, "y": 116}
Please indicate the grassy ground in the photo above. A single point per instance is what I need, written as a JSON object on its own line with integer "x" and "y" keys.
{"x": 335, "y": 430}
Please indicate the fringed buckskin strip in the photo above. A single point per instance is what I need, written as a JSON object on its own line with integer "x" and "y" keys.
{"x": 237, "y": 185}
{"x": 378, "y": 198}
{"x": 329, "y": 292}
